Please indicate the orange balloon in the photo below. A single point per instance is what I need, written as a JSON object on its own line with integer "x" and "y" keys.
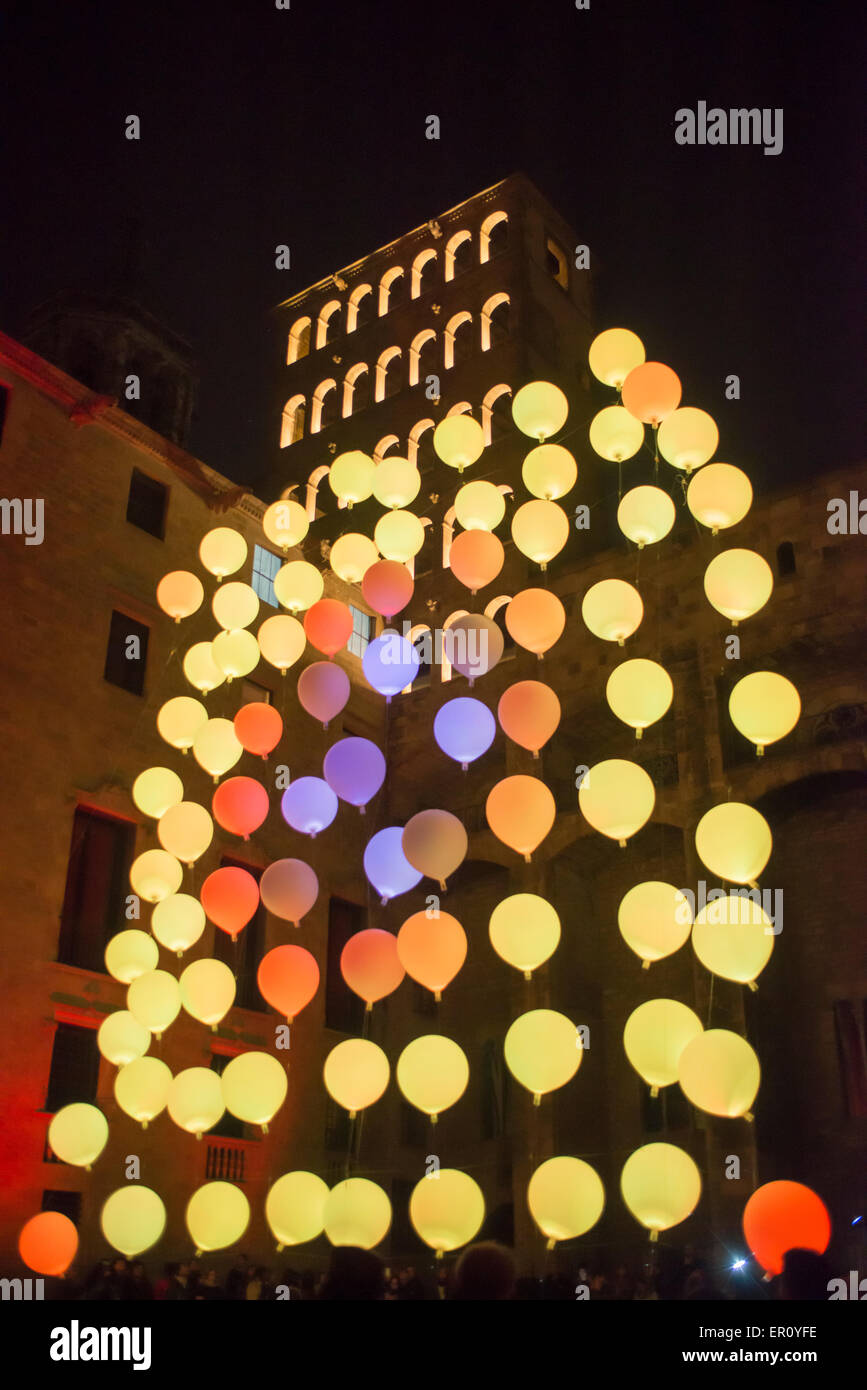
{"x": 288, "y": 977}
{"x": 782, "y": 1216}
{"x": 520, "y": 811}
{"x": 476, "y": 558}
{"x": 432, "y": 949}
{"x": 328, "y": 625}
{"x": 240, "y": 805}
{"x": 535, "y": 618}
{"x": 230, "y": 897}
{"x": 258, "y": 728}
{"x": 435, "y": 842}
{"x": 529, "y": 713}
{"x": 48, "y": 1242}
{"x": 387, "y": 586}
{"x": 370, "y": 965}
{"x": 651, "y": 392}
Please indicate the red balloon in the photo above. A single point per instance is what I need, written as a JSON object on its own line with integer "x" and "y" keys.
{"x": 48, "y": 1242}
{"x": 240, "y": 805}
{"x": 259, "y": 728}
{"x": 288, "y": 978}
{"x": 783, "y": 1216}
{"x": 230, "y": 897}
{"x": 387, "y": 586}
{"x": 328, "y": 625}
{"x": 370, "y": 965}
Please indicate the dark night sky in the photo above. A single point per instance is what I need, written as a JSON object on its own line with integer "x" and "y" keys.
{"x": 306, "y": 126}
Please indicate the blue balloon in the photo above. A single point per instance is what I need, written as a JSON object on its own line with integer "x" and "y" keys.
{"x": 390, "y": 663}
{"x": 464, "y": 729}
{"x": 354, "y": 768}
{"x": 309, "y": 805}
{"x": 386, "y": 865}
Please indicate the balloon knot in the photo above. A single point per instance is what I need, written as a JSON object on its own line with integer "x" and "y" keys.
{"x": 551, "y": 1242}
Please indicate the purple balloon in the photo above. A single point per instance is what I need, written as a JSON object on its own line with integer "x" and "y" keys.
{"x": 464, "y": 729}
{"x": 390, "y": 663}
{"x": 386, "y": 865}
{"x": 309, "y": 805}
{"x": 354, "y": 768}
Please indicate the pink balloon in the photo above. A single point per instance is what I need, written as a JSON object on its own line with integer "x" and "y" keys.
{"x": 289, "y": 888}
{"x": 328, "y": 625}
{"x": 387, "y": 586}
{"x": 435, "y": 842}
{"x": 323, "y": 690}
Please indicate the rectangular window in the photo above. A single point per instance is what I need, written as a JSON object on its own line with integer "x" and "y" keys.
{"x": 74, "y": 1067}
{"x": 337, "y": 1126}
{"x": 67, "y": 1203}
{"x": 243, "y": 956}
{"x": 343, "y": 1009}
{"x": 229, "y": 1127}
{"x": 494, "y": 1091}
{"x": 851, "y": 1051}
{"x": 252, "y": 691}
{"x": 415, "y": 1127}
{"x": 265, "y": 566}
{"x": 363, "y": 629}
{"x": 146, "y": 504}
{"x": 96, "y": 885}
{"x": 127, "y": 653}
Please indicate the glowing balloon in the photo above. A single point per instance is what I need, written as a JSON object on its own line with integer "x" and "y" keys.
{"x": 639, "y": 692}
{"x": 464, "y": 729}
{"x": 282, "y": 640}
{"x": 396, "y": 481}
{"x": 655, "y": 919}
{"x": 230, "y": 897}
{"x": 207, "y": 990}
{"x": 309, "y": 805}
{"x": 254, "y": 1087}
{"x": 651, "y": 392}
{"x": 661, "y": 1186}
{"x": 235, "y": 652}
{"x": 180, "y": 594}
{"x": 535, "y": 619}
{"x": 540, "y": 409}
{"x": 258, "y": 728}
{"x": 387, "y": 586}
{"x": 719, "y": 1072}
{"x": 235, "y": 605}
{"x": 295, "y": 1208}
{"x": 288, "y": 977}
{"x": 615, "y": 434}
{"x": 354, "y": 768}
{"x": 435, "y": 842}
{"x": 121, "y": 1038}
{"x": 222, "y": 551}
{"x": 297, "y": 585}
{"x": 370, "y": 965}
{"x": 543, "y": 1051}
{"x": 480, "y": 506}
{"x": 195, "y": 1100}
{"x": 783, "y": 1216}
{"x": 186, "y": 830}
{"x": 178, "y": 921}
{"x": 566, "y": 1198}
{"x": 719, "y": 496}
{"x": 613, "y": 354}
{"x": 357, "y": 1212}
{"x": 734, "y": 842}
{"x": 180, "y": 719}
{"x": 617, "y": 798}
{"x": 432, "y": 1073}
{"x": 645, "y": 515}
{"x": 654, "y": 1038}
{"x": 217, "y": 1215}
{"x": 688, "y": 438}
{"x": 141, "y": 1089}
{"x": 540, "y": 530}
{"x": 472, "y": 644}
{"x": 458, "y": 440}
{"x": 432, "y": 949}
{"x": 476, "y": 558}
{"x": 612, "y": 609}
{"x": 549, "y": 471}
{"x": 447, "y": 1209}
{"x": 733, "y": 937}
{"x": 524, "y": 931}
{"x": 130, "y": 954}
{"x": 764, "y": 707}
{"x": 323, "y": 690}
{"x": 520, "y": 811}
{"x": 200, "y": 668}
{"x": 351, "y": 475}
{"x": 216, "y": 747}
{"x": 356, "y": 1074}
{"x": 289, "y": 888}
{"x": 154, "y": 1000}
{"x": 529, "y": 714}
{"x": 48, "y": 1243}
{"x": 132, "y": 1219}
{"x": 78, "y": 1134}
{"x": 285, "y": 523}
{"x": 351, "y": 557}
{"x": 240, "y": 805}
{"x": 155, "y": 874}
{"x": 399, "y": 535}
{"x": 328, "y": 625}
{"x": 386, "y": 866}
{"x": 738, "y": 583}
{"x": 390, "y": 663}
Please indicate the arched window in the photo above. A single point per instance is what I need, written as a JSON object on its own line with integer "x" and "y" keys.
{"x": 495, "y": 321}
{"x": 388, "y": 373}
{"x": 448, "y": 535}
{"x": 462, "y": 408}
{"x": 445, "y": 664}
{"x": 324, "y": 409}
{"x": 359, "y": 310}
{"x": 459, "y": 254}
{"x": 423, "y": 272}
{"x": 390, "y": 289}
{"x": 493, "y": 236}
{"x": 786, "y": 559}
{"x": 419, "y": 446}
{"x": 423, "y": 345}
{"x": 356, "y": 389}
{"x": 299, "y": 340}
{"x": 555, "y": 259}
{"x": 326, "y": 324}
{"x": 388, "y": 441}
{"x": 458, "y": 339}
{"x": 496, "y": 609}
{"x": 497, "y": 413}
{"x": 313, "y": 489}
{"x": 292, "y": 427}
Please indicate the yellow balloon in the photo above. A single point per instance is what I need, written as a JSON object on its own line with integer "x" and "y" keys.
{"x": 156, "y": 790}
{"x": 178, "y": 921}
{"x": 655, "y": 1035}
{"x": 217, "y": 747}
{"x": 78, "y": 1134}
{"x": 458, "y": 440}
{"x": 738, "y": 583}
{"x": 719, "y": 496}
{"x": 217, "y": 1215}
{"x": 195, "y": 1100}
{"x": 687, "y": 438}
{"x": 639, "y": 692}
{"x": 566, "y": 1198}
{"x": 285, "y": 523}
{"x": 254, "y": 1087}
{"x": 540, "y": 409}
{"x": 132, "y": 1219}
{"x": 524, "y": 931}
{"x": 282, "y": 640}
{"x": 180, "y": 594}
{"x": 447, "y": 1209}
{"x": 180, "y": 719}
{"x": 615, "y": 434}
{"x": 549, "y": 471}
{"x": 612, "y": 609}
{"x": 235, "y": 605}
{"x": 207, "y": 990}
{"x": 356, "y": 1074}
{"x": 130, "y": 954}
{"x": 295, "y": 1208}
{"x": 655, "y": 919}
{"x": 357, "y": 1212}
{"x": 121, "y": 1038}
{"x": 235, "y": 652}
{"x": 613, "y": 354}
{"x": 298, "y": 585}
{"x": 733, "y": 937}
{"x": 734, "y": 842}
{"x": 399, "y": 536}
{"x": 661, "y": 1186}
{"x": 764, "y": 707}
{"x": 543, "y": 1051}
{"x": 540, "y": 530}
{"x": 350, "y": 476}
{"x": 155, "y": 874}
{"x": 200, "y": 668}
{"x": 141, "y": 1089}
{"x": 154, "y": 1000}
{"x": 617, "y": 798}
{"x": 352, "y": 555}
{"x": 720, "y": 1073}
{"x": 645, "y": 515}
{"x": 432, "y": 1073}
{"x": 480, "y": 506}
{"x": 396, "y": 481}
{"x": 186, "y": 831}
{"x": 222, "y": 551}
